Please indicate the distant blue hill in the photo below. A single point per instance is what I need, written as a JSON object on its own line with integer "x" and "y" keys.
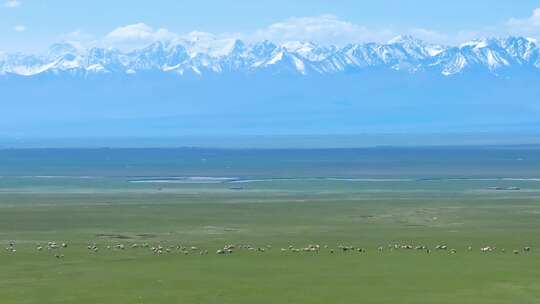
{"x": 404, "y": 86}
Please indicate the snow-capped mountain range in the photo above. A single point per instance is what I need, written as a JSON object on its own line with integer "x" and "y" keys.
{"x": 211, "y": 56}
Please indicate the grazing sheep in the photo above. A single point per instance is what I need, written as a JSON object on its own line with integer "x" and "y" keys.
{"x": 345, "y": 248}
{"x": 527, "y": 249}
{"x": 516, "y": 251}
{"x": 93, "y": 247}
{"x": 486, "y": 249}
{"x": 52, "y": 246}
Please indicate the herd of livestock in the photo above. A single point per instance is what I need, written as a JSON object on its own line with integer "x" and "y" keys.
{"x": 58, "y": 249}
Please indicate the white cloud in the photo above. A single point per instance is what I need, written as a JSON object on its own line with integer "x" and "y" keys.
{"x": 429, "y": 35}
{"x": 455, "y": 38}
{"x": 138, "y": 34}
{"x": 79, "y": 39}
{"x": 12, "y": 4}
{"x": 324, "y": 29}
{"x": 529, "y": 26}
{"x": 19, "y": 28}
{"x": 532, "y": 21}
{"x": 321, "y": 29}
{"x": 329, "y": 29}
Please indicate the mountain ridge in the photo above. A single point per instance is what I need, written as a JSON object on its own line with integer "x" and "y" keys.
{"x": 215, "y": 56}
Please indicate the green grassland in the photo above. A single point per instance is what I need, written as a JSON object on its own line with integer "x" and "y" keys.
{"x": 269, "y": 215}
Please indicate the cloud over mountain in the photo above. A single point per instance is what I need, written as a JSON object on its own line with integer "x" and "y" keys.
{"x": 527, "y": 26}
{"x": 138, "y": 34}
{"x": 12, "y": 4}
{"x": 327, "y": 29}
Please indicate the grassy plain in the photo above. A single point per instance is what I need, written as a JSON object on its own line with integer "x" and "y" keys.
{"x": 111, "y": 211}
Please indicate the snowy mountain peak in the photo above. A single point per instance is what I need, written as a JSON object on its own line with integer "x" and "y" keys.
{"x": 202, "y": 53}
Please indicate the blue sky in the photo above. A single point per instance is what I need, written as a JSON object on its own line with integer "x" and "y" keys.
{"x": 29, "y": 25}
